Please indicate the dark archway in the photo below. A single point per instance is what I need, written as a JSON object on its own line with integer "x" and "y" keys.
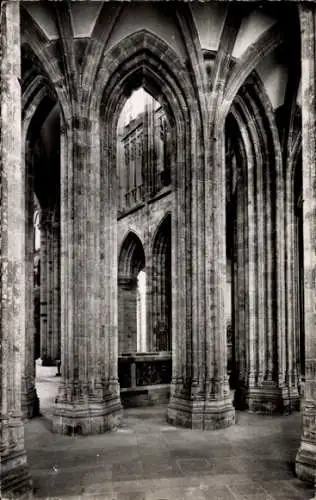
{"x": 41, "y": 150}
{"x": 131, "y": 263}
{"x": 161, "y": 277}
{"x": 254, "y": 215}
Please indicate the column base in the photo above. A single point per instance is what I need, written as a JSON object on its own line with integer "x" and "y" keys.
{"x": 305, "y": 462}
{"x": 30, "y": 406}
{"x": 200, "y": 414}
{"x": 86, "y": 419}
{"x": 89, "y": 414}
{"x": 270, "y": 399}
{"x": 15, "y": 479}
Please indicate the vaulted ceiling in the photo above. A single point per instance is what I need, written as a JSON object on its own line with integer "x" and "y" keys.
{"x": 249, "y": 37}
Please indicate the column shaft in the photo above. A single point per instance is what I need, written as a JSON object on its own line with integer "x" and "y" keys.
{"x": 292, "y": 286}
{"x": 53, "y": 313}
{"x": 150, "y": 320}
{"x": 240, "y": 300}
{"x": 50, "y": 289}
{"x": 14, "y": 473}
{"x": 44, "y": 286}
{"x": 200, "y": 396}
{"x": 88, "y": 399}
{"x": 269, "y": 349}
{"x": 306, "y": 456}
{"x": 56, "y": 291}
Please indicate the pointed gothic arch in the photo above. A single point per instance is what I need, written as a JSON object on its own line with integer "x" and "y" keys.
{"x": 161, "y": 281}
{"x": 142, "y": 59}
{"x": 131, "y": 256}
{"x": 38, "y": 101}
{"x": 259, "y": 236}
{"x": 131, "y": 263}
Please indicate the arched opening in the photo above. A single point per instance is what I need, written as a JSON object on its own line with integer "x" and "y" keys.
{"x": 41, "y": 135}
{"x": 143, "y": 150}
{"x": 260, "y": 339}
{"x": 144, "y": 376}
{"x": 144, "y": 68}
{"x": 144, "y": 156}
{"x": 131, "y": 296}
{"x": 161, "y": 276}
{"x": 47, "y": 152}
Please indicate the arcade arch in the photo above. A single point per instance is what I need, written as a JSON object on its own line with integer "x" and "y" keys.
{"x": 131, "y": 263}
{"x": 162, "y": 286}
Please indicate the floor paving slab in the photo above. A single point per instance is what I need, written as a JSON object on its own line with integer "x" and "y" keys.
{"x": 147, "y": 459}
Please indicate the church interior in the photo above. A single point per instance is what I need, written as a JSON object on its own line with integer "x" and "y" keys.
{"x": 158, "y": 250}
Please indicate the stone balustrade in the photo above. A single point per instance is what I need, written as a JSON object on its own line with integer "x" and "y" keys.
{"x": 145, "y": 378}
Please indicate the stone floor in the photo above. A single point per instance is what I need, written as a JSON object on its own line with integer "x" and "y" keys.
{"x": 147, "y": 459}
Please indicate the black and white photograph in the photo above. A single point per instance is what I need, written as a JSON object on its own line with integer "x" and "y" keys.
{"x": 158, "y": 250}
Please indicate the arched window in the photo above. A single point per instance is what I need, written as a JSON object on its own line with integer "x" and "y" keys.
{"x": 161, "y": 276}
{"x": 131, "y": 296}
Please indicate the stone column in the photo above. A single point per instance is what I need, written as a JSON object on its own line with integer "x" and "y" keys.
{"x": 49, "y": 360}
{"x": 306, "y": 456}
{"x": 240, "y": 301}
{"x": 292, "y": 288}
{"x": 141, "y": 313}
{"x": 56, "y": 339}
{"x": 50, "y": 289}
{"x": 30, "y": 401}
{"x": 269, "y": 386}
{"x": 14, "y": 473}
{"x": 150, "y": 312}
{"x": 146, "y": 155}
{"x": 286, "y": 397}
{"x": 200, "y": 396}
{"x": 53, "y": 288}
{"x": 88, "y": 400}
{"x": 263, "y": 390}
{"x": 218, "y": 408}
{"x": 44, "y": 228}
{"x": 149, "y": 150}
